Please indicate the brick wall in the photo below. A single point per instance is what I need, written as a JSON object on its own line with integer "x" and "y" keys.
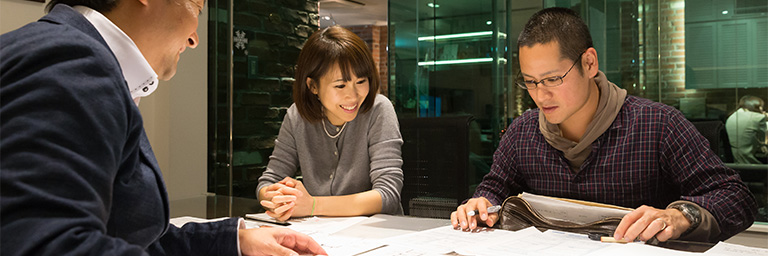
{"x": 376, "y": 39}
{"x": 672, "y": 49}
{"x": 662, "y": 39}
{"x": 269, "y": 35}
{"x": 662, "y": 49}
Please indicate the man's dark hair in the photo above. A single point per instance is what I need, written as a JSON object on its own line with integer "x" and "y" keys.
{"x": 560, "y": 25}
{"x": 101, "y": 6}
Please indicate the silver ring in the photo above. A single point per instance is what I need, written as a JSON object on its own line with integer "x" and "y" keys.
{"x": 664, "y": 223}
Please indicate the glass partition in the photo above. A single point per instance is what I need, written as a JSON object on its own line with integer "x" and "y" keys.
{"x": 252, "y": 54}
{"x": 701, "y": 57}
{"x": 449, "y": 59}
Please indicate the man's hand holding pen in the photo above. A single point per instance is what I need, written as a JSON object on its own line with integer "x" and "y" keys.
{"x": 461, "y": 219}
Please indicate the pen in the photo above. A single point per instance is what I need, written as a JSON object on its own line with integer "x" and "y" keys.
{"x": 596, "y": 235}
{"x": 281, "y": 223}
{"x": 604, "y": 237}
{"x": 361, "y": 253}
{"x": 492, "y": 209}
{"x": 610, "y": 239}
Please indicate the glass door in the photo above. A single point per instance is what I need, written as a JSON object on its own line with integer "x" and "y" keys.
{"x": 253, "y": 50}
{"x": 448, "y": 60}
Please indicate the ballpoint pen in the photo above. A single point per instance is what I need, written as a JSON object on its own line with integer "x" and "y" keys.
{"x": 492, "y": 209}
{"x": 604, "y": 237}
{"x": 271, "y": 221}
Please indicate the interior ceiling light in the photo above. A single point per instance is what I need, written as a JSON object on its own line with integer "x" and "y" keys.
{"x": 343, "y": 2}
{"x": 462, "y": 61}
{"x": 433, "y": 5}
{"x": 447, "y": 62}
{"x": 461, "y": 35}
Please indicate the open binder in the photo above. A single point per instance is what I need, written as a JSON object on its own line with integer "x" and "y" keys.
{"x": 525, "y": 210}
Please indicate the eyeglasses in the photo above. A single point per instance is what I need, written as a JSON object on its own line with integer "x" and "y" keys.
{"x": 546, "y": 82}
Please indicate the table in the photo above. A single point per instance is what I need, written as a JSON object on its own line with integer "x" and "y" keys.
{"x": 379, "y": 226}
{"x": 214, "y": 206}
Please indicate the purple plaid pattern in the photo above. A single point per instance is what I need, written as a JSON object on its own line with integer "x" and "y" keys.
{"x": 651, "y": 155}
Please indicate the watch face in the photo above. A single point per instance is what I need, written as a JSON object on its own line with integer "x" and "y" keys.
{"x": 691, "y": 213}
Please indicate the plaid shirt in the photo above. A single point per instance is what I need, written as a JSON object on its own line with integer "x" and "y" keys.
{"x": 651, "y": 155}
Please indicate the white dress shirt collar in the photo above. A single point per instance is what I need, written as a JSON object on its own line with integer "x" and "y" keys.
{"x": 141, "y": 79}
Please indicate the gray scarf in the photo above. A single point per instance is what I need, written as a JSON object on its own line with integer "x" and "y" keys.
{"x": 611, "y": 100}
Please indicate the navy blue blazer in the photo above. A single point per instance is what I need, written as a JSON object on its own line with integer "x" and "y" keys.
{"x": 77, "y": 173}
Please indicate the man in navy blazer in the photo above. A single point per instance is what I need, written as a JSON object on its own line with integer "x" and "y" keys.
{"x": 77, "y": 173}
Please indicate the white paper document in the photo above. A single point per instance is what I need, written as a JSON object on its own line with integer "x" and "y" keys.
{"x": 724, "y": 248}
{"x": 341, "y": 237}
{"x": 180, "y": 221}
{"x": 529, "y": 241}
{"x": 337, "y": 245}
{"x": 446, "y": 239}
{"x": 321, "y": 229}
{"x": 325, "y": 225}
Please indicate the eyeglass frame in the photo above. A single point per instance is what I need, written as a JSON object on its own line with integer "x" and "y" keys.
{"x": 536, "y": 83}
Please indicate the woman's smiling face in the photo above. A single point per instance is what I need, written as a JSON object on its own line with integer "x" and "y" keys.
{"x": 341, "y": 99}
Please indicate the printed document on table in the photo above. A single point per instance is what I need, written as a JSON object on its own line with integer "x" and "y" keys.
{"x": 723, "y": 248}
{"x": 315, "y": 225}
{"x": 324, "y": 225}
{"x": 446, "y": 239}
{"x": 573, "y": 244}
{"x": 180, "y": 221}
{"x": 340, "y": 246}
{"x": 396, "y": 250}
{"x": 321, "y": 230}
{"x": 529, "y": 241}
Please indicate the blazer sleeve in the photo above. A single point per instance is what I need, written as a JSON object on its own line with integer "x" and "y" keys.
{"x": 60, "y": 154}
{"x": 210, "y": 238}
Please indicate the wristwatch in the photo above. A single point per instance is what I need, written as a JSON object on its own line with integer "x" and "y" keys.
{"x": 691, "y": 213}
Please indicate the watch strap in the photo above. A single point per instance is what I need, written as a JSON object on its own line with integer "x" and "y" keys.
{"x": 690, "y": 212}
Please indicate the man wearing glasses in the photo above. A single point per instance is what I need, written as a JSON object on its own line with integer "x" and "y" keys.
{"x": 591, "y": 141}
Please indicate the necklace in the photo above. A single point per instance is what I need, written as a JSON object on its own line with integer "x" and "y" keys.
{"x": 334, "y": 136}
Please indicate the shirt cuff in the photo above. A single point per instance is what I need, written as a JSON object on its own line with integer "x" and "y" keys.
{"x": 707, "y": 231}
{"x": 240, "y": 225}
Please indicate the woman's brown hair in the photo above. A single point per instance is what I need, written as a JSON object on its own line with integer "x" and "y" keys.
{"x": 324, "y": 49}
